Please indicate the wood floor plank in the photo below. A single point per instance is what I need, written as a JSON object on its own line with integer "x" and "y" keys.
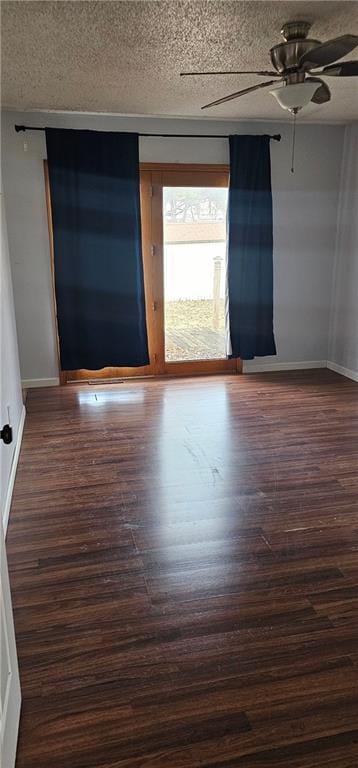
{"x": 183, "y": 557}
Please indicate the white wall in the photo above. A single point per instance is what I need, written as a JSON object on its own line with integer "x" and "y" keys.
{"x": 343, "y": 348}
{"x": 304, "y": 223}
{"x": 10, "y": 384}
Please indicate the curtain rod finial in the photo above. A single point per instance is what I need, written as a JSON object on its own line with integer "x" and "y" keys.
{"x": 19, "y": 128}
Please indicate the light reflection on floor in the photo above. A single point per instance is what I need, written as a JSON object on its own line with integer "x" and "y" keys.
{"x": 192, "y": 454}
{"x": 120, "y": 397}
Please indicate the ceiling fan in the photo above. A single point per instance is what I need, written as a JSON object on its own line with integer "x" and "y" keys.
{"x": 293, "y": 61}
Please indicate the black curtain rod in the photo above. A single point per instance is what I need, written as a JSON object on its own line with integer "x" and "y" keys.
{"x": 275, "y": 137}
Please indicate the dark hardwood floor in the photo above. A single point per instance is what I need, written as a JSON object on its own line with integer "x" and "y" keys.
{"x": 184, "y": 565}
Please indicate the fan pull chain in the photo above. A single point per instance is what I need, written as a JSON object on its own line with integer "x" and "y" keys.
{"x": 293, "y": 140}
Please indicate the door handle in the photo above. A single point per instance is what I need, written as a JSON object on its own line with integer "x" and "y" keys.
{"x": 6, "y": 434}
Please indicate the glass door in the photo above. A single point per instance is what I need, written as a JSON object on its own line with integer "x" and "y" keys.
{"x": 194, "y": 250}
{"x": 189, "y": 215}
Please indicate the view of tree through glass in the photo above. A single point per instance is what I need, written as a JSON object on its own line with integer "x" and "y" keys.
{"x": 195, "y": 203}
{"x": 194, "y": 272}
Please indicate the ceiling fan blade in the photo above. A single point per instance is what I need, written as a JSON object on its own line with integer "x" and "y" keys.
{"x": 328, "y": 52}
{"x": 346, "y": 69}
{"x": 322, "y": 94}
{"x": 239, "y": 93}
{"x": 263, "y": 73}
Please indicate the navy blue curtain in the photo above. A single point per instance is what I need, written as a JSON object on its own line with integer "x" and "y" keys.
{"x": 94, "y": 182}
{"x": 250, "y": 269}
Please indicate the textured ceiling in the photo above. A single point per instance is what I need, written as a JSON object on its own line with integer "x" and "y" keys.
{"x": 125, "y": 57}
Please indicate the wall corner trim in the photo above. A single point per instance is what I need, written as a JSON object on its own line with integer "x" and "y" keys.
{"x": 32, "y": 383}
{"x": 14, "y": 464}
{"x": 343, "y": 371}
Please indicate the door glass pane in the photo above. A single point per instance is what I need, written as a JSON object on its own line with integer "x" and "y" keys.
{"x": 194, "y": 272}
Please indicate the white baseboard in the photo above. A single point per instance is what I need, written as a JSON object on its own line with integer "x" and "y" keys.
{"x": 343, "y": 371}
{"x": 248, "y": 367}
{"x": 15, "y": 460}
{"x": 31, "y": 383}
{"x": 294, "y": 366}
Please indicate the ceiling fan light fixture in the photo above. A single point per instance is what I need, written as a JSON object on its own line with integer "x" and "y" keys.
{"x": 295, "y": 96}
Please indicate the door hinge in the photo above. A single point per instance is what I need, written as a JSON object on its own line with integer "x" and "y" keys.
{"x": 154, "y": 306}
{"x": 152, "y": 250}
{"x": 151, "y": 190}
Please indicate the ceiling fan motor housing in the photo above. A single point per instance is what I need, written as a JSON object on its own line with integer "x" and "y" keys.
{"x": 285, "y": 56}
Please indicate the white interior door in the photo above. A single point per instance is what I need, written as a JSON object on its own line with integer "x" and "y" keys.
{"x": 10, "y": 696}
{"x": 9, "y": 674}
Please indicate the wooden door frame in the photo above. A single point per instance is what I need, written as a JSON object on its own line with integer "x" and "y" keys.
{"x": 153, "y": 176}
